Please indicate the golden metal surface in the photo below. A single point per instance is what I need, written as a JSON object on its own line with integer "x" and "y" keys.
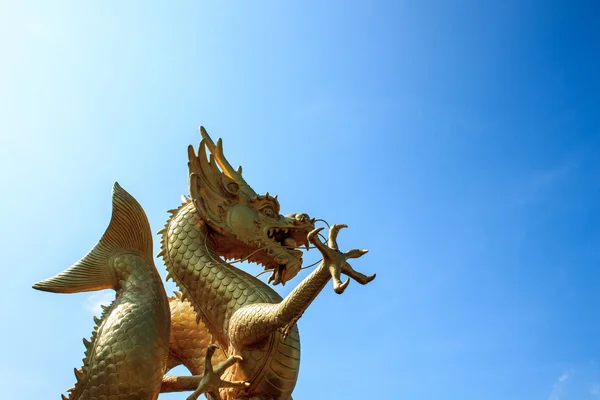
{"x": 258, "y": 342}
{"x": 127, "y": 354}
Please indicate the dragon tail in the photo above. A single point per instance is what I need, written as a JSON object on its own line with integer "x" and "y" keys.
{"x": 128, "y": 230}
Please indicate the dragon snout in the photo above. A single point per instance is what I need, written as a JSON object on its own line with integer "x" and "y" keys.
{"x": 299, "y": 218}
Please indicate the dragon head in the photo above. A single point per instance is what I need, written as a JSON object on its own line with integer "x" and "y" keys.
{"x": 242, "y": 224}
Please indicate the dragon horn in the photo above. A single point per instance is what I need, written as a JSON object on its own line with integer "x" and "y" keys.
{"x": 217, "y": 152}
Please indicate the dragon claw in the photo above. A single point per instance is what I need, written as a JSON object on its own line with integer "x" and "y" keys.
{"x": 210, "y": 381}
{"x": 355, "y": 253}
{"x": 336, "y": 261}
{"x": 339, "y": 287}
{"x": 357, "y": 276}
{"x": 313, "y": 237}
{"x": 333, "y": 232}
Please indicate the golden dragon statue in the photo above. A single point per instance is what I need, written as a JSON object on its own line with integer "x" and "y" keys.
{"x": 223, "y": 314}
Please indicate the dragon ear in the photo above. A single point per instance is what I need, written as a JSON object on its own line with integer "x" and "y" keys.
{"x": 213, "y": 189}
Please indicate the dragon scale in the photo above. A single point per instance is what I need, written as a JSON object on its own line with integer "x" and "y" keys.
{"x": 217, "y": 290}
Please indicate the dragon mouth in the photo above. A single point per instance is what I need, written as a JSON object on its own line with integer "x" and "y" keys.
{"x": 277, "y": 249}
{"x": 287, "y": 259}
{"x": 289, "y": 238}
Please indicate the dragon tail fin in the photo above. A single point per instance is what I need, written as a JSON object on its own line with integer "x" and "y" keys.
{"x": 128, "y": 230}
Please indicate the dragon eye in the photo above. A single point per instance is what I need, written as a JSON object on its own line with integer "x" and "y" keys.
{"x": 268, "y": 211}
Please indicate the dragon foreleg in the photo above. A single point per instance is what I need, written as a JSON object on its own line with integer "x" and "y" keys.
{"x": 253, "y": 322}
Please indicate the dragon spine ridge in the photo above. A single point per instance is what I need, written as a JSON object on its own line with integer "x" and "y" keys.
{"x": 80, "y": 374}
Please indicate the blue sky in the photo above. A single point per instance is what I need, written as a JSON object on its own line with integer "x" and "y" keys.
{"x": 458, "y": 141}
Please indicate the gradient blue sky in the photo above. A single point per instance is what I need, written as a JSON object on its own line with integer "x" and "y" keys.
{"x": 460, "y": 142}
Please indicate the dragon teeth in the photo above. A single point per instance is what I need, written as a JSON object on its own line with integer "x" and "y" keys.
{"x": 272, "y": 231}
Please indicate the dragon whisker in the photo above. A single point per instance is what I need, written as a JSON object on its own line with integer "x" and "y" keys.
{"x": 261, "y": 273}
{"x": 308, "y": 266}
{"x": 266, "y": 247}
{"x": 249, "y": 255}
{"x": 311, "y": 265}
{"x": 322, "y": 220}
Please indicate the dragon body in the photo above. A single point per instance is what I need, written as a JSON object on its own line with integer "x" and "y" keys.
{"x": 218, "y": 291}
{"x": 127, "y": 354}
{"x": 222, "y": 314}
{"x": 189, "y": 338}
{"x": 224, "y": 218}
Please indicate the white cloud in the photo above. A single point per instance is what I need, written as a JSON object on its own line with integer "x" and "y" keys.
{"x": 559, "y": 386}
{"x": 96, "y": 300}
